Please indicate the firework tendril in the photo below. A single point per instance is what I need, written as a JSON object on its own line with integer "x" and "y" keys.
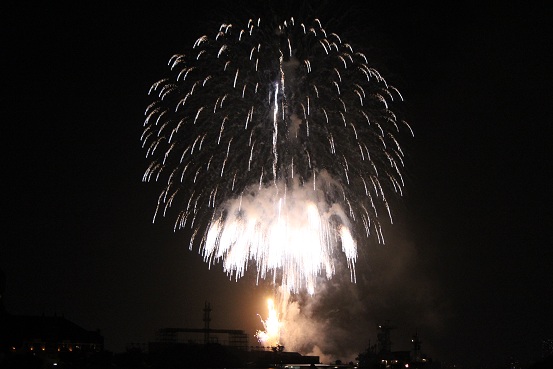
{"x": 278, "y": 145}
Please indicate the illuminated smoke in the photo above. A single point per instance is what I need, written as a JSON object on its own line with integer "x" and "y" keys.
{"x": 292, "y": 231}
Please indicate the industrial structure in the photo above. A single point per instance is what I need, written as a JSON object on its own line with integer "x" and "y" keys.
{"x": 167, "y": 337}
{"x": 381, "y": 356}
{"x": 195, "y": 347}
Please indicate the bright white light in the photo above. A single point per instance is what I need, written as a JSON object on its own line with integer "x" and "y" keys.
{"x": 271, "y": 335}
{"x": 293, "y": 236}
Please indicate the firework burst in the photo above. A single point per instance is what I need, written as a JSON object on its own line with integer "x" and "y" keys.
{"x": 278, "y": 146}
{"x": 271, "y": 335}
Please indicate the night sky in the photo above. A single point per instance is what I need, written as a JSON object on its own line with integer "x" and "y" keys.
{"x": 468, "y": 264}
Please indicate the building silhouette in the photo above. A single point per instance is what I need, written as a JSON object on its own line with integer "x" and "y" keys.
{"x": 381, "y": 355}
{"x": 45, "y": 338}
{"x": 209, "y": 347}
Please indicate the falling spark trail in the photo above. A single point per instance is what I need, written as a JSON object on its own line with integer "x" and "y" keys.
{"x": 279, "y": 145}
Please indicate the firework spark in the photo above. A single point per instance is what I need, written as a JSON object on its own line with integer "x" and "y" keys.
{"x": 278, "y": 145}
{"x": 271, "y": 335}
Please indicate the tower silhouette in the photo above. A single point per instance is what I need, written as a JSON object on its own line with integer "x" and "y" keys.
{"x": 207, "y": 319}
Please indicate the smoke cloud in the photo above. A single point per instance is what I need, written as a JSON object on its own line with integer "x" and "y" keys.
{"x": 340, "y": 321}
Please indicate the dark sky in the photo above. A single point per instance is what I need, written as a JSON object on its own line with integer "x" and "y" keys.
{"x": 468, "y": 264}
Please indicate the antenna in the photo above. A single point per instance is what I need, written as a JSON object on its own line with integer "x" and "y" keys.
{"x": 207, "y": 319}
